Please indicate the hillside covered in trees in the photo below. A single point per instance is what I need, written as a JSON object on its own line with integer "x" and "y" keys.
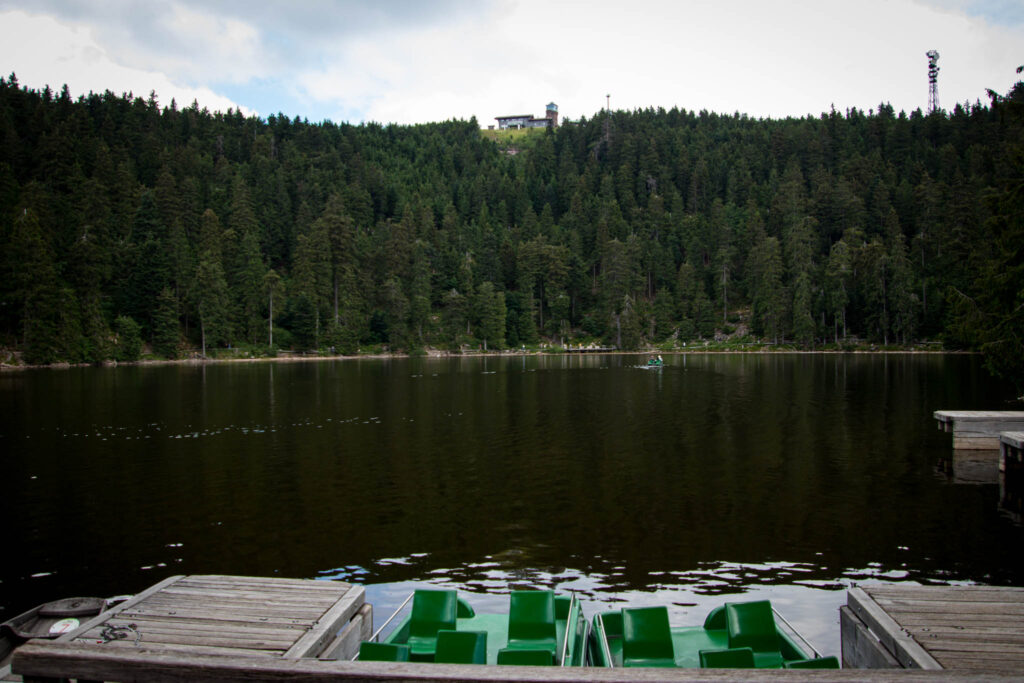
{"x": 125, "y": 222}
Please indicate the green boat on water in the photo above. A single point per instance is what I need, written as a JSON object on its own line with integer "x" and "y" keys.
{"x": 735, "y": 635}
{"x": 540, "y": 629}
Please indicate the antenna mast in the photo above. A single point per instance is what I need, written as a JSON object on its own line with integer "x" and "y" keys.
{"x": 933, "y": 80}
{"x": 607, "y": 120}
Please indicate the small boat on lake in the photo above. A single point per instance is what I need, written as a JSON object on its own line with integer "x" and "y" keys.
{"x": 734, "y": 635}
{"x": 539, "y": 629}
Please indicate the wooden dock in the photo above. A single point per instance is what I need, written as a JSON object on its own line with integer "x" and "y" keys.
{"x": 977, "y": 630}
{"x": 978, "y": 429}
{"x": 1011, "y": 450}
{"x": 221, "y": 628}
{"x": 227, "y": 616}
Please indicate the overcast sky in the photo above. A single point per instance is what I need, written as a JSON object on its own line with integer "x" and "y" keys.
{"x": 413, "y": 61}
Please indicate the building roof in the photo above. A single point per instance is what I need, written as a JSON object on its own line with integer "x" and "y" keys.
{"x": 515, "y": 116}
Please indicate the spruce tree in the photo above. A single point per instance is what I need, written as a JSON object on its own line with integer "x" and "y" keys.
{"x": 211, "y": 289}
{"x": 165, "y": 325}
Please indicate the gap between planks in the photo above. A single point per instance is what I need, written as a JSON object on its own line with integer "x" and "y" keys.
{"x": 273, "y": 630}
{"x": 191, "y": 649}
{"x": 283, "y": 584}
{"x": 293, "y": 594}
{"x": 236, "y": 608}
{"x": 151, "y": 637}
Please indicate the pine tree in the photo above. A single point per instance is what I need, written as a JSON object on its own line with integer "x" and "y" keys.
{"x": 837, "y": 282}
{"x": 803, "y": 319}
{"x": 768, "y": 297}
{"x": 165, "y": 325}
{"x": 311, "y": 274}
{"x": 30, "y": 269}
{"x": 128, "y": 339}
{"x": 491, "y": 311}
{"x": 211, "y": 288}
{"x": 246, "y": 272}
{"x": 902, "y": 292}
{"x": 148, "y": 267}
{"x": 271, "y": 287}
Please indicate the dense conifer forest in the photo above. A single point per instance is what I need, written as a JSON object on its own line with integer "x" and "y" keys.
{"x": 130, "y": 226}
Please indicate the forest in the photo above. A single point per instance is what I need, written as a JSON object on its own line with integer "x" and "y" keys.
{"x": 131, "y": 228}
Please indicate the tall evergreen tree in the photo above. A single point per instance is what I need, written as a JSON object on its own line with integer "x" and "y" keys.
{"x": 165, "y": 325}
{"x": 211, "y": 287}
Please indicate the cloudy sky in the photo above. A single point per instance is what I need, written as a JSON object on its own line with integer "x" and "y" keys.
{"x": 413, "y": 61}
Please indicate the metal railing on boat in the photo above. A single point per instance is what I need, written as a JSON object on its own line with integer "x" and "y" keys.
{"x": 376, "y": 634}
{"x": 573, "y": 602}
{"x": 817, "y": 655}
{"x": 603, "y": 640}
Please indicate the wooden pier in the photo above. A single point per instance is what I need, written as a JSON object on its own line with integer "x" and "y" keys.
{"x": 977, "y": 630}
{"x": 1011, "y": 450}
{"x": 978, "y": 429}
{"x": 223, "y": 616}
{"x": 227, "y": 628}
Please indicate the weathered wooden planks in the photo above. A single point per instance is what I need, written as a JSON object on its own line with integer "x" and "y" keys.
{"x": 346, "y": 644}
{"x": 860, "y": 648}
{"x": 959, "y": 628}
{"x": 221, "y": 616}
{"x": 903, "y": 648}
{"x": 978, "y": 429}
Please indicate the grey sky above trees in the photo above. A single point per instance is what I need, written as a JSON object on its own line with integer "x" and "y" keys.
{"x": 409, "y": 61}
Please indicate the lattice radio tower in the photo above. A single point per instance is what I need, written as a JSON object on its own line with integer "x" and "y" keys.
{"x": 933, "y": 80}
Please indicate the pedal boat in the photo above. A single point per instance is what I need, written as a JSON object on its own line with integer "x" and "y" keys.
{"x": 734, "y": 635}
{"x": 539, "y": 629}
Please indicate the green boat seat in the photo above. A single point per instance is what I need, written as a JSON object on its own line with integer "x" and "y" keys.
{"x": 464, "y": 610}
{"x": 432, "y": 611}
{"x": 732, "y": 658}
{"x": 816, "y": 663}
{"x": 646, "y": 637}
{"x": 531, "y": 621}
{"x": 525, "y": 657}
{"x": 383, "y": 652}
{"x": 752, "y": 624}
{"x": 461, "y": 647}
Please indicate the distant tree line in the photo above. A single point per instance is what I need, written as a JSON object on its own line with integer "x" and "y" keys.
{"x": 126, "y": 223}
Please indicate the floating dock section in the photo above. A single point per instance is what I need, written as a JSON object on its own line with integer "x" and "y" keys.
{"x": 1011, "y": 451}
{"x": 978, "y": 429}
{"x": 976, "y": 630}
{"x": 241, "y": 618}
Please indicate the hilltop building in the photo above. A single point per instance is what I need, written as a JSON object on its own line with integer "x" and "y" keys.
{"x": 550, "y": 119}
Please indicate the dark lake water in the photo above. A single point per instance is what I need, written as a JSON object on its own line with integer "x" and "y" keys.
{"x": 717, "y": 477}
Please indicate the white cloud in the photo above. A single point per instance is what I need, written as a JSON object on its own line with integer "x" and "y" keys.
{"x": 43, "y": 51}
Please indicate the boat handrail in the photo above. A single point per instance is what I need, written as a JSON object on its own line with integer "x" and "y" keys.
{"x": 377, "y": 633}
{"x": 817, "y": 655}
{"x": 603, "y": 640}
{"x": 586, "y": 640}
{"x": 565, "y": 639}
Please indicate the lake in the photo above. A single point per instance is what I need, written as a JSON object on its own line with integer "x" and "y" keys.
{"x": 716, "y": 477}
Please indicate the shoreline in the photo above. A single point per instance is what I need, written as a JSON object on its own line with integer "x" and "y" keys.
{"x": 439, "y": 354}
